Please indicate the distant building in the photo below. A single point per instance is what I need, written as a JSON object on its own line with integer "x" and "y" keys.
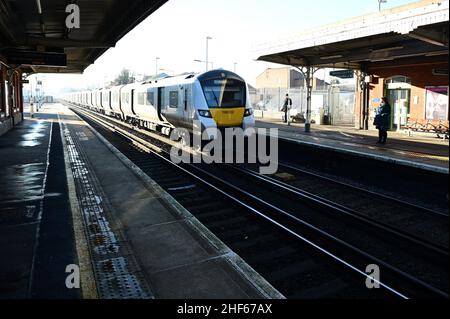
{"x": 286, "y": 78}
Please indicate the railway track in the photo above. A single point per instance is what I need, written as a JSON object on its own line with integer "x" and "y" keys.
{"x": 426, "y": 224}
{"x": 301, "y": 256}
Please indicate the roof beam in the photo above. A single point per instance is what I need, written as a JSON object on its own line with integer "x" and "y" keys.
{"x": 431, "y": 37}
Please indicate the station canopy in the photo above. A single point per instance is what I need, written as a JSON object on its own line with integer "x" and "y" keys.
{"x": 411, "y": 31}
{"x": 34, "y": 35}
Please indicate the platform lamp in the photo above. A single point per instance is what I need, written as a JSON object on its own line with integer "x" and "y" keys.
{"x": 156, "y": 66}
{"x": 207, "y": 38}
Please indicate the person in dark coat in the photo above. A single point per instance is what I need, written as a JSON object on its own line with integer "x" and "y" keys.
{"x": 287, "y": 105}
{"x": 383, "y": 120}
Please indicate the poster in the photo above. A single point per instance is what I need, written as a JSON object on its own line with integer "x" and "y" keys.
{"x": 436, "y": 104}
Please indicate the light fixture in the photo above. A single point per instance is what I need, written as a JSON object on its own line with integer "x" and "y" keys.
{"x": 387, "y": 49}
{"x": 38, "y": 3}
{"x": 331, "y": 57}
{"x": 382, "y": 60}
{"x": 436, "y": 53}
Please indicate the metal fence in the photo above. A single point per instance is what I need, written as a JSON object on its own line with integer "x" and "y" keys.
{"x": 334, "y": 105}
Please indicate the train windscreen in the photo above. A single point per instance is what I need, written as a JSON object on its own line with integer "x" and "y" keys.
{"x": 224, "y": 93}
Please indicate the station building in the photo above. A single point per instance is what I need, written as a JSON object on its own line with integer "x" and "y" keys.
{"x": 284, "y": 78}
{"x": 400, "y": 53}
{"x": 11, "y": 103}
{"x": 416, "y": 88}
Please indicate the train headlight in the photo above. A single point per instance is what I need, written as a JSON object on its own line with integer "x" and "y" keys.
{"x": 204, "y": 113}
{"x": 248, "y": 112}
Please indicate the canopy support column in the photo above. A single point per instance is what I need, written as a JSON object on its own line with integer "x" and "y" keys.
{"x": 308, "y": 74}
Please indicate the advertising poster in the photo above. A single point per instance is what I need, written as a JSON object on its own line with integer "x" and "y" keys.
{"x": 436, "y": 103}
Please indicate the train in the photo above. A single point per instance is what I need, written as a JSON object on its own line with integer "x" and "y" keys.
{"x": 215, "y": 99}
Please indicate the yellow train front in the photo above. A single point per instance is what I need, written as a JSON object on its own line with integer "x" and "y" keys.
{"x": 222, "y": 100}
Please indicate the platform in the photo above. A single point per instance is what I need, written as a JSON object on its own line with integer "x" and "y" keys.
{"x": 426, "y": 152}
{"x": 122, "y": 229}
{"x": 36, "y": 237}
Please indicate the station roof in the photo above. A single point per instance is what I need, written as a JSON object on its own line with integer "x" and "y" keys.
{"x": 414, "y": 30}
{"x": 30, "y": 29}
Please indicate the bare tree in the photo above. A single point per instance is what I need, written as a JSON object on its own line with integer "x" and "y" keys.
{"x": 124, "y": 77}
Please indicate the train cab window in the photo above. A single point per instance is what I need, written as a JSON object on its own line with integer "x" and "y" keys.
{"x": 173, "y": 99}
{"x": 224, "y": 92}
{"x": 150, "y": 98}
{"x": 141, "y": 98}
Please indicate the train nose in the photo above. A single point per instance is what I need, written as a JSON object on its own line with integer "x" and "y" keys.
{"x": 228, "y": 116}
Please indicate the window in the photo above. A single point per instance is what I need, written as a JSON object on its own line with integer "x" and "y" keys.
{"x": 399, "y": 79}
{"x": 173, "y": 99}
{"x": 126, "y": 97}
{"x": 150, "y": 98}
{"x": 141, "y": 98}
{"x": 224, "y": 92}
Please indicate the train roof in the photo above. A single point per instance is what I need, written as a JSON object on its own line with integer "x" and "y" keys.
{"x": 176, "y": 80}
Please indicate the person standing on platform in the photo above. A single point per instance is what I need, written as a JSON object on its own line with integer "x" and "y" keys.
{"x": 287, "y": 105}
{"x": 383, "y": 120}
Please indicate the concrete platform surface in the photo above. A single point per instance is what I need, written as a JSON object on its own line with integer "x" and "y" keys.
{"x": 36, "y": 237}
{"x": 428, "y": 152}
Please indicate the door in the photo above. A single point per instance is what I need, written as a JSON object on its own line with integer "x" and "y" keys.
{"x": 160, "y": 100}
{"x": 399, "y": 100}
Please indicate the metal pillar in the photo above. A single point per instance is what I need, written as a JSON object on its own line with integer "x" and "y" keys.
{"x": 365, "y": 85}
{"x": 308, "y": 73}
{"x": 308, "y": 99}
{"x": 366, "y": 105}
{"x": 10, "y": 97}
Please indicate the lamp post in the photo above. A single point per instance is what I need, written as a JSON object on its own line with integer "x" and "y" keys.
{"x": 156, "y": 67}
{"x": 379, "y": 4}
{"x": 207, "y": 38}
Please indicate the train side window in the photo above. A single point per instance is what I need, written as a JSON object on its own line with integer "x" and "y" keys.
{"x": 150, "y": 98}
{"x": 141, "y": 98}
{"x": 126, "y": 97}
{"x": 173, "y": 99}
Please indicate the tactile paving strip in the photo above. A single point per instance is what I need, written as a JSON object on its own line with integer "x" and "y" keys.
{"x": 116, "y": 271}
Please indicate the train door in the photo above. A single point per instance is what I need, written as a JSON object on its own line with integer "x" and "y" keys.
{"x": 160, "y": 101}
{"x": 132, "y": 101}
{"x": 185, "y": 94}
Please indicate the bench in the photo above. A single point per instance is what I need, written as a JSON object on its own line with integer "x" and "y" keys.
{"x": 438, "y": 127}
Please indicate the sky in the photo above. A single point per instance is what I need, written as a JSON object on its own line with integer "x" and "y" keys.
{"x": 176, "y": 33}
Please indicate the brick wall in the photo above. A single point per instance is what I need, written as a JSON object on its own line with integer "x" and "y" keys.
{"x": 421, "y": 75}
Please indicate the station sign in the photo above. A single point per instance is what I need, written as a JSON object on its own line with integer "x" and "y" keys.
{"x": 342, "y": 74}
{"x": 26, "y": 57}
{"x": 25, "y": 81}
